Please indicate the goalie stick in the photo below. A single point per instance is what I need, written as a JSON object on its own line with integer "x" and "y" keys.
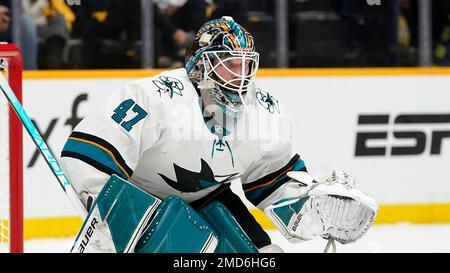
{"x": 42, "y": 146}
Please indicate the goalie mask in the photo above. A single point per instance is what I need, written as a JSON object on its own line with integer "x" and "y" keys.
{"x": 222, "y": 61}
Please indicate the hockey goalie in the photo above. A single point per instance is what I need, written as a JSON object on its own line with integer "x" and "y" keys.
{"x": 153, "y": 164}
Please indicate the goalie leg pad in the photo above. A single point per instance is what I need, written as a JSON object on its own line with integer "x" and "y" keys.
{"x": 232, "y": 239}
{"x": 177, "y": 228}
{"x": 117, "y": 218}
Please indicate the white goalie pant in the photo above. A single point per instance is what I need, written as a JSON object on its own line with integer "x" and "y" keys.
{"x": 272, "y": 248}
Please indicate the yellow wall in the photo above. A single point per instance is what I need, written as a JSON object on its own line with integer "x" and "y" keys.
{"x": 388, "y": 214}
{"x": 296, "y": 72}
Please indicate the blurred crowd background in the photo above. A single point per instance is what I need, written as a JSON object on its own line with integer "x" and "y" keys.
{"x": 97, "y": 34}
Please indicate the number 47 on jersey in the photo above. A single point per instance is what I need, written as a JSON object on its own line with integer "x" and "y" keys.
{"x": 123, "y": 110}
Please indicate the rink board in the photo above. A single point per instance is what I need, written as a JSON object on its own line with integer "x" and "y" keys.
{"x": 387, "y": 127}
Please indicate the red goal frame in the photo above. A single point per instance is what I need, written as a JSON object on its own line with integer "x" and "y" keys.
{"x": 14, "y": 59}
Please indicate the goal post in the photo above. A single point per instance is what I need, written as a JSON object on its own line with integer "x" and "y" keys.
{"x": 11, "y": 155}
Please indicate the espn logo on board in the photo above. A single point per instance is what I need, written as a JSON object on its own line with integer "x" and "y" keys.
{"x": 403, "y": 134}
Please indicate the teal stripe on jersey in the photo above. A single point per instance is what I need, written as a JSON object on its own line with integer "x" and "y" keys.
{"x": 94, "y": 153}
{"x": 255, "y": 195}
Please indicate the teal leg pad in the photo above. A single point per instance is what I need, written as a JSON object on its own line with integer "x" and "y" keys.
{"x": 232, "y": 239}
{"x": 117, "y": 218}
{"x": 177, "y": 228}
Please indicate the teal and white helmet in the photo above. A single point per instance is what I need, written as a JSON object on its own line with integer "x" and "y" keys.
{"x": 222, "y": 60}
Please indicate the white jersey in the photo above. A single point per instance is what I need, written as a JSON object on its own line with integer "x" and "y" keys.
{"x": 153, "y": 133}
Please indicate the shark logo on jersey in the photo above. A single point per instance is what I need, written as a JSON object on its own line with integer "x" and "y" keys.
{"x": 168, "y": 85}
{"x": 189, "y": 181}
{"x": 267, "y": 101}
